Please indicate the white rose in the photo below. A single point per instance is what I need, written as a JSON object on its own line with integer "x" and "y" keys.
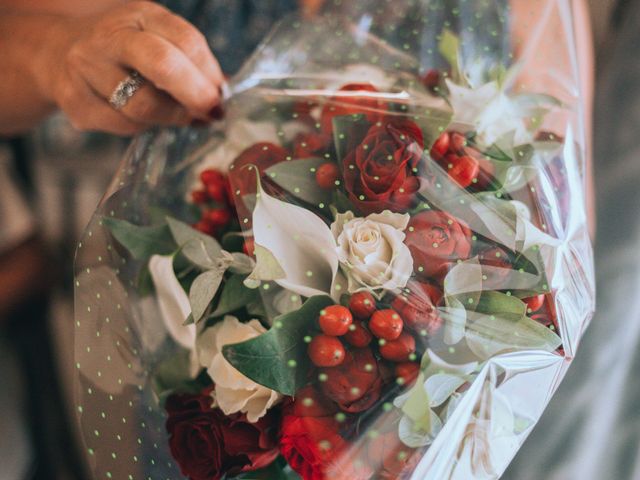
{"x": 233, "y": 391}
{"x": 372, "y": 252}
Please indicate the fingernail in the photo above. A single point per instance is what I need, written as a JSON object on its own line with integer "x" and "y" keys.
{"x": 217, "y": 113}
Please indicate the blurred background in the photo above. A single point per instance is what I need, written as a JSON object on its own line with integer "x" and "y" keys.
{"x": 52, "y": 180}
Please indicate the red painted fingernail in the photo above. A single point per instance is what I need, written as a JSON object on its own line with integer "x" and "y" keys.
{"x": 217, "y": 113}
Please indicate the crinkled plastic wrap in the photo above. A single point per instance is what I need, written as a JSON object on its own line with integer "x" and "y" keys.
{"x": 376, "y": 266}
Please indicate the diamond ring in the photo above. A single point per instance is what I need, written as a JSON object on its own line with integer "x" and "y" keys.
{"x": 125, "y": 90}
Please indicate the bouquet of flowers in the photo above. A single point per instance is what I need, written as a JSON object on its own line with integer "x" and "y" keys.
{"x": 369, "y": 269}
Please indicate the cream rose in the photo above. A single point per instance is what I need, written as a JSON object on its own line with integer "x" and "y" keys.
{"x": 233, "y": 391}
{"x": 371, "y": 250}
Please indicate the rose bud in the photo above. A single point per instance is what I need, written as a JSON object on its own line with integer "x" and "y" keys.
{"x": 355, "y": 385}
{"x": 437, "y": 241}
{"x": 417, "y": 306}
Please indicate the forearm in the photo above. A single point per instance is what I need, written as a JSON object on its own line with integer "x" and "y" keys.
{"x": 29, "y": 46}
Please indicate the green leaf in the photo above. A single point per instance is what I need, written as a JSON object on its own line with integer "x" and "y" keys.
{"x": 489, "y": 335}
{"x": 449, "y": 48}
{"x": 417, "y": 405}
{"x": 202, "y": 291}
{"x": 174, "y": 375}
{"x": 500, "y": 304}
{"x": 278, "y": 470}
{"x": 235, "y": 296}
{"x": 141, "y": 242}
{"x": 278, "y": 359}
{"x": 298, "y": 177}
{"x": 200, "y": 249}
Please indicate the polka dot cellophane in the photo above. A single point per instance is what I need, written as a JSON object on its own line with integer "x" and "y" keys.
{"x": 120, "y": 339}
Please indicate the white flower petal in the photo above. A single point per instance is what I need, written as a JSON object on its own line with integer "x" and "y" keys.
{"x": 173, "y": 301}
{"x": 233, "y": 392}
{"x": 301, "y": 243}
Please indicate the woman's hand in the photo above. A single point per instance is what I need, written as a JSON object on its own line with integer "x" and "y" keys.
{"x": 93, "y": 55}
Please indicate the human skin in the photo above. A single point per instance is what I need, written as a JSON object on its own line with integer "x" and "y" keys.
{"x": 71, "y": 54}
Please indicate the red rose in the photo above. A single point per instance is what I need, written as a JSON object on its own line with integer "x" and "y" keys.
{"x": 309, "y": 145}
{"x": 380, "y": 173}
{"x": 437, "y": 240}
{"x": 355, "y": 384}
{"x": 341, "y": 105}
{"x": 417, "y": 306}
{"x": 208, "y": 444}
{"x": 309, "y": 444}
{"x": 242, "y": 178}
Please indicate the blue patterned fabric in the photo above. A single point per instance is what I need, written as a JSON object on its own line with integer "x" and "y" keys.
{"x": 234, "y": 28}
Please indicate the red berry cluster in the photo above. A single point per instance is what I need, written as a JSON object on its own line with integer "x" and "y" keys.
{"x": 465, "y": 165}
{"x": 214, "y": 198}
{"x": 355, "y": 327}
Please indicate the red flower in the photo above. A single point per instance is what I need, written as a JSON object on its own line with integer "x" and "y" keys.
{"x": 309, "y": 145}
{"x": 417, "y": 306}
{"x": 380, "y": 173}
{"x": 309, "y": 444}
{"x": 208, "y": 444}
{"x": 243, "y": 178}
{"x": 340, "y": 105}
{"x": 355, "y": 384}
{"x": 437, "y": 240}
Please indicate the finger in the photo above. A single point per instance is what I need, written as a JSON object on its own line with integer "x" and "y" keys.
{"x": 168, "y": 69}
{"x": 148, "y": 105}
{"x": 88, "y": 112}
{"x": 188, "y": 39}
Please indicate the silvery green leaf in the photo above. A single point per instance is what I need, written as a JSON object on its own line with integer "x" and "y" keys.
{"x": 488, "y": 335}
{"x": 285, "y": 302}
{"x": 203, "y": 290}
{"x": 200, "y": 249}
{"x": 441, "y": 386}
{"x": 242, "y": 263}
